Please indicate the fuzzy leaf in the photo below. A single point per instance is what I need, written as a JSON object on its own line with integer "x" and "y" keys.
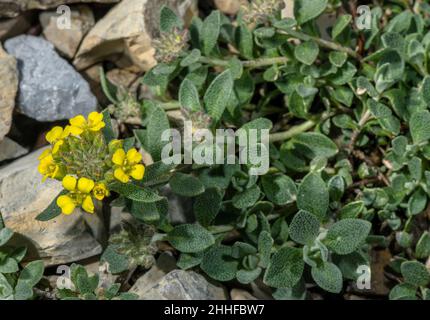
{"x": 219, "y": 264}
{"x": 265, "y": 243}
{"x": 347, "y": 235}
{"x": 341, "y": 24}
{"x": 279, "y": 188}
{"x": 157, "y": 123}
{"x": 210, "y": 31}
{"x": 328, "y": 277}
{"x": 190, "y": 238}
{"x": 186, "y": 185}
{"x": 117, "y": 262}
{"x": 285, "y": 268}
{"x": 313, "y": 195}
{"x": 415, "y": 273}
{"x": 134, "y": 192}
{"x": 318, "y": 144}
{"x": 422, "y": 250}
{"x": 218, "y": 94}
{"x": 419, "y": 126}
{"x": 207, "y": 206}
{"x": 52, "y": 211}
{"x": 169, "y": 20}
{"x": 305, "y": 10}
{"x": 191, "y": 58}
{"x": 246, "y": 198}
{"x": 304, "y": 227}
{"x": 5, "y": 235}
{"x": 306, "y": 52}
{"x": 189, "y": 96}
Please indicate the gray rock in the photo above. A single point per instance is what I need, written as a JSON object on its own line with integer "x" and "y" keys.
{"x": 9, "y": 149}
{"x": 11, "y": 8}
{"x": 23, "y": 196}
{"x": 184, "y": 285}
{"x": 165, "y": 263}
{"x": 8, "y": 89}
{"x": 239, "y": 294}
{"x": 50, "y": 89}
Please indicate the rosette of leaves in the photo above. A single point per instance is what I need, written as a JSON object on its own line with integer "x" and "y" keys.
{"x": 16, "y": 282}
{"x": 132, "y": 247}
{"x": 86, "y": 287}
{"x": 348, "y": 146}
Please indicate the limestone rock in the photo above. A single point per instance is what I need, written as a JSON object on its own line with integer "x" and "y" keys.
{"x": 165, "y": 263}
{"x": 8, "y": 89}
{"x": 183, "y": 285}
{"x": 50, "y": 89}
{"x": 239, "y": 294}
{"x": 127, "y": 29}
{"x": 23, "y": 196}
{"x": 9, "y": 149}
{"x": 67, "y": 40}
{"x": 229, "y": 6}
{"x": 15, "y": 26}
{"x": 11, "y": 8}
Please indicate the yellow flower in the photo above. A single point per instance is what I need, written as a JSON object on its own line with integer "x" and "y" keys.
{"x": 85, "y": 185}
{"x": 69, "y": 183}
{"x": 88, "y": 204}
{"x": 45, "y": 153}
{"x": 127, "y": 165}
{"x": 67, "y": 204}
{"x": 47, "y": 167}
{"x": 100, "y": 191}
{"x": 56, "y": 136}
{"x": 94, "y": 123}
{"x": 114, "y": 145}
{"x": 79, "y": 195}
{"x": 120, "y": 175}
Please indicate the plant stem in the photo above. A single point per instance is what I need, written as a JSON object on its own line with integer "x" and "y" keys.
{"x": 280, "y": 136}
{"x": 220, "y": 229}
{"x": 321, "y": 42}
{"x": 364, "y": 118}
{"x": 251, "y": 64}
{"x": 172, "y": 105}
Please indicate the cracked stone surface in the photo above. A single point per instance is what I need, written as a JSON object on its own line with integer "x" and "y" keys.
{"x": 23, "y": 197}
{"x": 50, "y": 89}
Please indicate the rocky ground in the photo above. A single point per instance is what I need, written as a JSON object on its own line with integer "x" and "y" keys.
{"x": 49, "y": 73}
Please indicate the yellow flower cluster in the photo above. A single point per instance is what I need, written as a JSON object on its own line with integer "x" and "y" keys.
{"x": 85, "y": 163}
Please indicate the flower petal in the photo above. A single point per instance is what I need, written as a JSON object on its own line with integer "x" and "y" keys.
{"x": 95, "y": 117}
{"x": 98, "y": 126}
{"x": 100, "y": 191}
{"x": 57, "y": 146}
{"x": 133, "y": 156}
{"x": 88, "y": 204}
{"x": 138, "y": 171}
{"x": 45, "y": 153}
{"x": 121, "y": 175}
{"x": 78, "y": 121}
{"x": 66, "y": 204}
{"x": 118, "y": 157}
{"x": 76, "y": 131}
{"x": 85, "y": 185}
{"x": 69, "y": 183}
{"x": 53, "y": 135}
{"x": 66, "y": 132}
